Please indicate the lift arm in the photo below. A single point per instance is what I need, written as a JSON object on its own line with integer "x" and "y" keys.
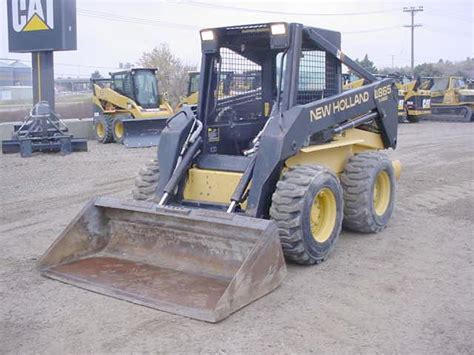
{"x": 284, "y": 138}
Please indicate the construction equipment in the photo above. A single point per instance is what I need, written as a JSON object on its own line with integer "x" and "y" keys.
{"x": 42, "y": 130}
{"x": 191, "y": 99}
{"x": 192, "y": 93}
{"x": 451, "y": 99}
{"x": 413, "y": 101}
{"x": 351, "y": 81}
{"x": 128, "y": 108}
{"x": 273, "y": 168}
{"x": 416, "y": 100}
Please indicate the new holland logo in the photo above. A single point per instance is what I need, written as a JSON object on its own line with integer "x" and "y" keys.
{"x": 32, "y": 15}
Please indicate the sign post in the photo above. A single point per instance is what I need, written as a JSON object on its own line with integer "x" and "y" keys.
{"x": 42, "y": 27}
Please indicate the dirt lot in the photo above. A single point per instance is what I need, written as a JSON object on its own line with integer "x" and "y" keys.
{"x": 408, "y": 289}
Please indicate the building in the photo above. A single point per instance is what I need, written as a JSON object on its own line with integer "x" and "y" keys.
{"x": 6, "y": 74}
{"x": 15, "y": 73}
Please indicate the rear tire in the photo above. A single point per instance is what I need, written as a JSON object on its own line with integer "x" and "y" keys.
{"x": 307, "y": 206}
{"x": 147, "y": 181}
{"x": 413, "y": 119}
{"x": 368, "y": 182}
{"x": 103, "y": 129}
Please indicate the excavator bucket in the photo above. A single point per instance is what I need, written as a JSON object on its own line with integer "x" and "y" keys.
{"x": 141, "y": 133}
{"x": 196, "y": 263}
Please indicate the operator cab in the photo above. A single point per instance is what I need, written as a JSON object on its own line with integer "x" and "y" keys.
{"x": 250, "y": 69}
{"x": 139, "y": 84}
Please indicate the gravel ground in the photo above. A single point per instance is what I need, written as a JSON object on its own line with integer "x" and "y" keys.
{"x": 408, "y": 289}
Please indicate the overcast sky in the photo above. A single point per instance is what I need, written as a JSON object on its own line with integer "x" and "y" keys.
{"x": 113, "y": 31}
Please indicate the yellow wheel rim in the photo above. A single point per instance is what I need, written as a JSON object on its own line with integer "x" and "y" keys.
{"x": 118, "y": 128}
{"x": 323, "y": 215}
{"x": 100, "y": 129}
{"x": 382, "y": 189}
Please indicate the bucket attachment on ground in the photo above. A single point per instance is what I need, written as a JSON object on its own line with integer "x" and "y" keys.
{"x": 196, "y": 263}
{"x": 141, "y": 133}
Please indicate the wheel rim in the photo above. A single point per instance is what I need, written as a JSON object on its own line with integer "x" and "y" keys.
{"x": 323, "y": 215}
{"x": 118, "y": 129}
{"x": 100, "y": 129}
{"x": 381, "y": 193}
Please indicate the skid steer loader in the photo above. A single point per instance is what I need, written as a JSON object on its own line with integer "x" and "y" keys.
{"x": 273, "y": 169}
{"x": 192, "y": 94}
{"x": 128, "y": 108}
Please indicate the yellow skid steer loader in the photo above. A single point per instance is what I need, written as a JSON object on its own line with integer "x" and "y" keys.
{"x": 273, "y": 168}
{"x": 128, "y": 108}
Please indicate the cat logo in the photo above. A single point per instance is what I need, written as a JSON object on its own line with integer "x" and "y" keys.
{"x": 32, "y": 15}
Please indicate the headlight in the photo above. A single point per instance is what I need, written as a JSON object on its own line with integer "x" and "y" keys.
{"x": 207, "y": 35}
{"x": 278, "y": 29}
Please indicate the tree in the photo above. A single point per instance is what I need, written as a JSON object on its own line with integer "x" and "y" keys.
{"x": 427, "y": 69}
{"x": 96, "y": 75}
{"x": 172, "y": 72}
{"x": 367, "y": 64}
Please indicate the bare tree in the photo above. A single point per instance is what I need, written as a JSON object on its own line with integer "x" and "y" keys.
{"x": 172, "y": 72}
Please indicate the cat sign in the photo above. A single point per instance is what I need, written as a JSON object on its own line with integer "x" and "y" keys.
{"x": 41, "y": 25}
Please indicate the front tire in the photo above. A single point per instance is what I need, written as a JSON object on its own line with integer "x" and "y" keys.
{"x": 307, "y": 206}
{"x": 118, "y": 130}
{"x": 368, "y": 182}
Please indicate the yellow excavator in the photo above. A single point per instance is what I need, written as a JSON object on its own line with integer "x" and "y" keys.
{"x": 128, "y": 108}
{"x": 273, "y": 168}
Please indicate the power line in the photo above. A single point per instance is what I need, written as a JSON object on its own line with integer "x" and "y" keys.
{"x": 63, "y": 64}
{"x": 444, "y": 12}
{"x": 131, "y": 19}
{"x": 373, "y": 30}
{"x": 158, "y": 23}
{"x": 244, "y": 9}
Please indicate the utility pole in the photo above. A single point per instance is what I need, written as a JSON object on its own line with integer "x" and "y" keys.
{"x": 413, "y": 10}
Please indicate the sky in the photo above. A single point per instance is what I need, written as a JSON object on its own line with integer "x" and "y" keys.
{"x": 114, "y": 31}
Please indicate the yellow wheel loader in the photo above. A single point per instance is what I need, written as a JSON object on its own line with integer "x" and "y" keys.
{"x": 451, "y": 99}
{"x": 128, "y": 108}
{"x": 272, "y": 170}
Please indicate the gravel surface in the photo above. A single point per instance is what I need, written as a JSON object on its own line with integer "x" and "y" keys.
{"x": 408, "y": 289}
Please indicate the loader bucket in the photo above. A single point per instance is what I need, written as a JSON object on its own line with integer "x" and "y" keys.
{"x": 141, "y": 133}
{"x": 196, "y": 263}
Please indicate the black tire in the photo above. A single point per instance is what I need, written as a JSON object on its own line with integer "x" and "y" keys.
{"x": 118, "y": 130}
{"x": 146, "y": 181}
{"x": 358, "y": 180}
{"x": 103, "y": 129}
{"x": 413, "y": 119}
{"x": 291, "y": 208}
